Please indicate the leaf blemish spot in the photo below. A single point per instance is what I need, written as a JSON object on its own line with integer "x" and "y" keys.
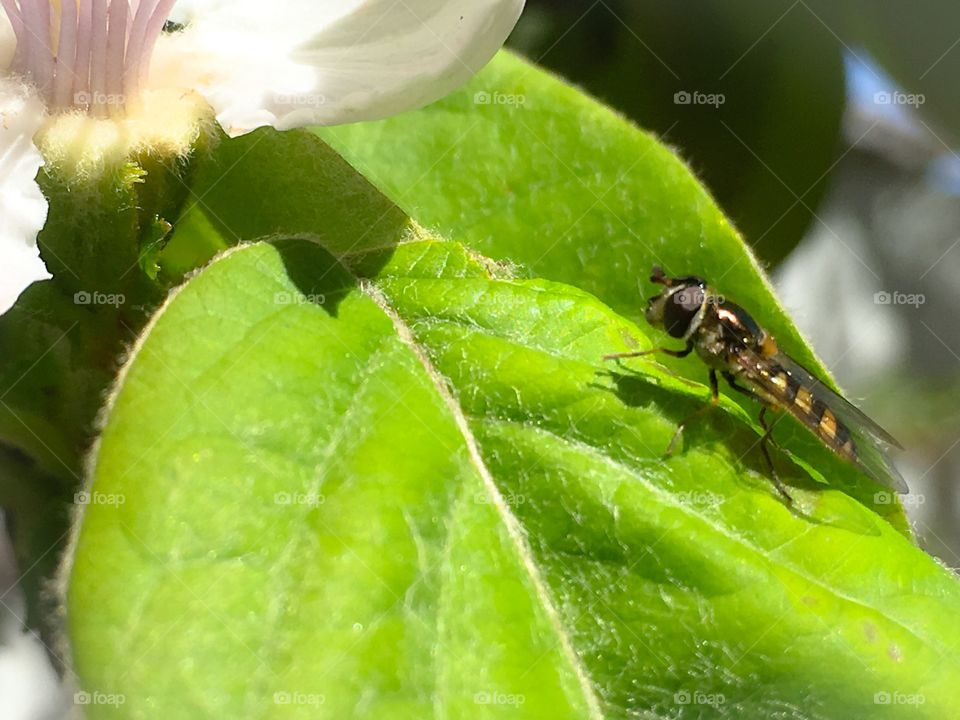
{"x": 894, "y": 652}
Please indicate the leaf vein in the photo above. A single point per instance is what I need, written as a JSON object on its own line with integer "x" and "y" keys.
{"x": 512, "y": 525}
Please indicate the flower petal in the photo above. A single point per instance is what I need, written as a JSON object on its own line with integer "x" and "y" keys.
{"x": 23, "y": 208}
{"x": 8, "y": 42}
{"x": 301, "y": 62}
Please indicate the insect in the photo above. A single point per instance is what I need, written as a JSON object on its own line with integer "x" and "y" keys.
{"x": 731, "y": 343}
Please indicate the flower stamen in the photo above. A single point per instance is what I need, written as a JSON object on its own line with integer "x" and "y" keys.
{"x": 86, "y": 54}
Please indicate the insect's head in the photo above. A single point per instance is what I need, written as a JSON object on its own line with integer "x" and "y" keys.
{"x": 677, "y": 308}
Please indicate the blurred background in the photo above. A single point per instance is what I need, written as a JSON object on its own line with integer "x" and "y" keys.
{"x": 826, "y": 131}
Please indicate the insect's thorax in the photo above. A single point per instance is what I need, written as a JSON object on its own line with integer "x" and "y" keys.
{"x": 725, "y": 332}
{"x": 711, "y": 344}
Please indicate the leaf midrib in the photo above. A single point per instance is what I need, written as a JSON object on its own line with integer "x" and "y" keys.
{"x": 511, "y": 523}
{"x": 302, "y": 527}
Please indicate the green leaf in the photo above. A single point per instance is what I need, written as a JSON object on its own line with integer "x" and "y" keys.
{"x": 406, "y": 485}
{"x": 55, "y": 368}
{"x": 595, "y": 207}
{"x": 562, "y": 186}
{"x": 568, "y": 190}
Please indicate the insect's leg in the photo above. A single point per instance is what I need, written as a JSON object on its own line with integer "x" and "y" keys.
{"x": 732, "y": 382}
{"x": 714, "y": 399}
{"x": 765, "y": 439}
{"x": 666, "y": 351}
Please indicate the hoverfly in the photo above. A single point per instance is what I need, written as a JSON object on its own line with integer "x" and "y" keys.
{"x": 731, "y": 342}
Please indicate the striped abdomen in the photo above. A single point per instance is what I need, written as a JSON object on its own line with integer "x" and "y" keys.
{"x": 803, "y": 403}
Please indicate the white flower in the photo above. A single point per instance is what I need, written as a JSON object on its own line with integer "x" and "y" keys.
{"x": 285, "y": 63}
{"x": 23, "y": 210}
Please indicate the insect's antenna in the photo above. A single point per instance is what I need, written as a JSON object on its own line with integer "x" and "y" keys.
{"x": 657, "y": 275}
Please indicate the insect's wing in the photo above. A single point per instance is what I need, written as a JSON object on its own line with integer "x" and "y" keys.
{"x": 841, "y": 407}
{"x": 870, "y": 439}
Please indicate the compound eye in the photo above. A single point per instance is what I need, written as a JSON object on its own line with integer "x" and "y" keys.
{"x": 681, "y": 308}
